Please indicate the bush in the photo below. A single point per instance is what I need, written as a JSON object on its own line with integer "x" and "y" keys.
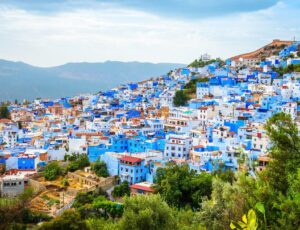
{"x": 77, "y": 161}
{"x": 121, "y": 190}
{"x": 68, "y": 220}
{"x": 100, "y": 169}
{"x": 52, "y": 171}
{"x": 180, "y": 98}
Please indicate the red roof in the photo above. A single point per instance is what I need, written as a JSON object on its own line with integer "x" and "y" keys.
{"x": 5, "y": 120}
{"x": 141, "y": 187}
{"x": 131, "y": 159}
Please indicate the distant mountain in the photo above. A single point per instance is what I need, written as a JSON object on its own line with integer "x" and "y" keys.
{"x": 19, "y": 80}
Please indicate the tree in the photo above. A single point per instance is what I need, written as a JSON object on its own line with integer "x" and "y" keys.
{"x": 4, "y": 112}
{"x": 100, "y": 168}
{"x": 12, "y": 209}
{"x": 52, "y": 171}
{"x": 147, "y": 213}
{"x": 107, "y": 208}
{"x": 77, "y": 161}
{"x": 121, "y": 190}
{"x": 68, "y": 220}
{"x": 285, "y": 150}
{"x": 226, "y": 175}
{"x": 180, "y": 186}
{"x": 20, "y": 125}
{"x": 103, "y": 224}
{"x": 180, "y": 98}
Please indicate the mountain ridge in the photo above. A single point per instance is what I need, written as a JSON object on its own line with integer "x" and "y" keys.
{"x": 25, "y": 81}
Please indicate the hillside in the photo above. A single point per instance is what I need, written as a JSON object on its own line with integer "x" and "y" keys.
{"x": 268, "y": 50}
{"x": 22, "y": 81}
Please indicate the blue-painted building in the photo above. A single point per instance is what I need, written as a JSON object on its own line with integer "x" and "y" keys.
{"x": 94, "y": 152}
{"x": 26, "y": 163}
{"x": 118, "y": 144}
{"x": 132, "y": 169}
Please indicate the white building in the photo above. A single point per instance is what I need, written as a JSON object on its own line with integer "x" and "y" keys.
{"x": 177, "y": 146}
{"x": 10, "y": 137}
{"x": 78, "y": 145}
{"x": 202, "y": 90}
{"x": 13, "y": 185}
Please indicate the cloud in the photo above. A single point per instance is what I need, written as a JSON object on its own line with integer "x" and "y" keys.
{"x": 190, "y": 9}
{"x": 129, "y": 33}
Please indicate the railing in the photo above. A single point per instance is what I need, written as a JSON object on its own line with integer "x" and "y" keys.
{"x": 69, "y": 205}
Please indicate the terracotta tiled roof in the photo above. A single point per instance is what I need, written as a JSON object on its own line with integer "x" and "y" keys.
{"x": 141, "y": 187}
{"x": 131, "y": 159}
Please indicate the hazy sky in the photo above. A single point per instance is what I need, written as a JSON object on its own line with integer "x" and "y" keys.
{"x": 47, "y": 33}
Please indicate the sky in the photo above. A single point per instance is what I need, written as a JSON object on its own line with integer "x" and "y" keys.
{"x": 54, "y": 32}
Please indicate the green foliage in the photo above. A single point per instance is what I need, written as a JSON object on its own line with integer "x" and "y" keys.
{"x": 83, "y": 198}
{"x": 12, "y": 210}
{"x": 65, "y": 182}
{"x": 4, "y": 113}
{"x": 147, "y": 213}
{"x": 77, "y": 161}
{"x": 288, "y": 69}
{"x": 100, "y": 168}
{"x": 200, "y": 63}
{"x": 30, "y": 217}
{"x": 103, "y": 224}
{"x": 225, "y": 175}
{"x": 52, "y": 171}
{"x": 285, "y": 151}
{"x": 180, "y": 186}
{"x": 68, "y": 220}
{"x": 191, "y": 86}
{"x": 228, "y": 202}
{"x": 248, "y": 222}
{"x": 180, "y": 98}
{"x": 108, "y": 208}
{"x": 121, "y": 190}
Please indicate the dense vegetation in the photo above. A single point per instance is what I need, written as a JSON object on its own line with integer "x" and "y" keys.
{"x": 52, "y": 171}
{"x": 181, "y": 187}
{"x": 182, "y": 96}
{"x": 99, "y": 167}
{"x": 15, "y": 215}
{"x": 4, "y": 113}
{"x": 288, "y": 69}
{"x": 121, "y": 190}
{"x": 77, "y": 161}
{"x": 198, "y": 63}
